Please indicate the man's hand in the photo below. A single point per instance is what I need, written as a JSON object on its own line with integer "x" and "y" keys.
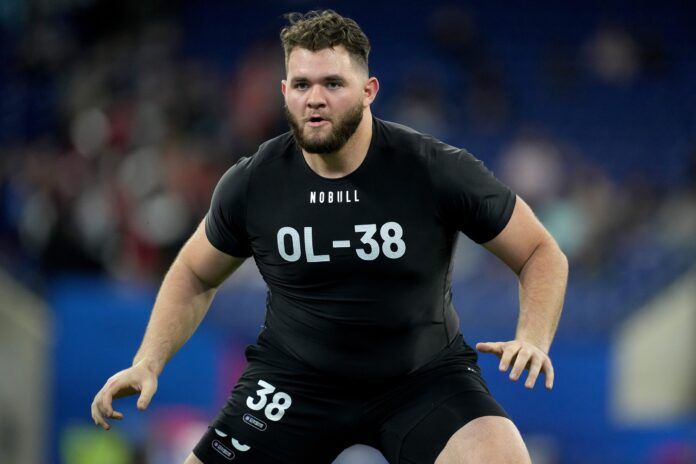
{"x": 138, "y": 378}
{"x": 522, "y": 355}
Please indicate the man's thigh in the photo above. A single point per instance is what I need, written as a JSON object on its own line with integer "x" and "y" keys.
{"x": 192, "y": 459}
{"x": 485, "y": 440}
{"x": 418, "y": 418}
{"x": 420, "y": 432}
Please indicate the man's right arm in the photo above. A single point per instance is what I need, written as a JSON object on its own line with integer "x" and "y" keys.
{"x": 183, "y": 300}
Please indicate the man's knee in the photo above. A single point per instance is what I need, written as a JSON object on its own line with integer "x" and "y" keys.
{"x": 192, "y": 459}
{"x": 488, "y": 439}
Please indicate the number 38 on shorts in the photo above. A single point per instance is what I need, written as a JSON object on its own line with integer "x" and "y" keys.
{"x": 275, "y": 410}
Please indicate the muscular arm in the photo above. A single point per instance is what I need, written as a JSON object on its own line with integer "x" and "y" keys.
{"x": 182, "y": 302}
{"x": 184, "y": 298}
{"x": 530, "y": 251}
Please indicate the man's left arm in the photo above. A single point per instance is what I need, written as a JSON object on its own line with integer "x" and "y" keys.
{"x": 542, "y": 268}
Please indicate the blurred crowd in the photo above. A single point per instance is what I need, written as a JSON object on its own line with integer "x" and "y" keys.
{"x": 113, "y": 134}
{"x": 141, "y": 138}
{"x": 130, "y": 136}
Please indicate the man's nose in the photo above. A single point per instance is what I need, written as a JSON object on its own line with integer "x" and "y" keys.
{"x": 316, "y": 98}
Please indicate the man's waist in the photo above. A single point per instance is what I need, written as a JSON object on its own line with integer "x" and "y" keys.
{"x": 372, "y": 354}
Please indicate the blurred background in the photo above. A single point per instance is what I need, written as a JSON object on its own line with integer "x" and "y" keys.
{"x": 118, "y": 117}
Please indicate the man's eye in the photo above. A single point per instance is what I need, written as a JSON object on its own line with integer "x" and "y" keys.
{"x": 301, "y": 86}
{"x": 334, "y": 85}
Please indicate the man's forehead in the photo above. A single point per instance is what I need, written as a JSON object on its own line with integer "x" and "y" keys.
{"x": 306, "y": 62}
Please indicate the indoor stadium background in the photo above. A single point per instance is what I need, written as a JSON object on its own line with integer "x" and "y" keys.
{"x": 118, "y": 117}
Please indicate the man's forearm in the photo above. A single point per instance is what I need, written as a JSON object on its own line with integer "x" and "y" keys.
{"x": 181, "y": 304}
{"x": 543, "y": 281}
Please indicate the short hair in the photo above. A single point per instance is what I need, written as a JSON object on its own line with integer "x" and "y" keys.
{"x": 320, "y": 29}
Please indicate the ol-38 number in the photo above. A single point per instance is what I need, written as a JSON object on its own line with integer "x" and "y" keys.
{"x": 393, "y": 245}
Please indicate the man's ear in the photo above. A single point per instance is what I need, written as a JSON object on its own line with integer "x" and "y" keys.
{"x": 370, "y": 90}
{"x": 283, "y": 86}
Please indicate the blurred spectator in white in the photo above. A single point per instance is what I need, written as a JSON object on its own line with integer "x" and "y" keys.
{"x": 360, "y": 454}
{"x": 532, "y": 166}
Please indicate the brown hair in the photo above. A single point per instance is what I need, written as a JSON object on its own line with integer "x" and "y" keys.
{"x": 317, "y": 30}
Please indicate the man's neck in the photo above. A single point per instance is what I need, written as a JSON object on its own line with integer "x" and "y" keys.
{"x": 347, "y": 159}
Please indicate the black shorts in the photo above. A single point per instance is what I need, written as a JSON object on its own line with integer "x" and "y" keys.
{"x": 282, "y": 412}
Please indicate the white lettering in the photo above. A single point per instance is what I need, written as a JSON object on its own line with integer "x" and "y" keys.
{"x": 294, "y": 238}
{"x": 309, "y": 248}
{"x": 240, "y": 447}
{"x": 337, "y": 196}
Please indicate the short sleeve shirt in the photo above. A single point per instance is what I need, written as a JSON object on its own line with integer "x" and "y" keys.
{"x": 358, "y": 269}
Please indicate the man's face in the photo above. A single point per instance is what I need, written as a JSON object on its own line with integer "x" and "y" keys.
{"x": 324, "y": 98}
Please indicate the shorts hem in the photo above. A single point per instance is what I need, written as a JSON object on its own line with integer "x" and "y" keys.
{"x": 434, "y": 409}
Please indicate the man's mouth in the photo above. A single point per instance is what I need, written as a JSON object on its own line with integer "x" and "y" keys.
{"x": 316, "y": 121}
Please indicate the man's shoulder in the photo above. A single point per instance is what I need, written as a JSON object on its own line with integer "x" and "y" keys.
{"x": 409, "y": 141}
{"x": 241, "y": 171}
{"x": 394, "y": 133}
{"x": 270, "y": 150}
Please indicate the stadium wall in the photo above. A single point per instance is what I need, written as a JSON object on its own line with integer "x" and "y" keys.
{"x": 656, "y": 343}
{"x": 25, "y": 404}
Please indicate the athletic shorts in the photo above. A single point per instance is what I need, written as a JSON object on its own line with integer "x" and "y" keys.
{"x": 282, "y": 412}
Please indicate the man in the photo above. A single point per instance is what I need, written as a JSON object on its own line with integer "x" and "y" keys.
{"x": 352, "y": 222}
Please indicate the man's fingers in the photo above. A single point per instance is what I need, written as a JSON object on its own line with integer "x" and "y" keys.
{"x": 490, "y": 347}
{"x": 521, "y": 355}
{"x": 148, "y": 391}
{"x": 507, "y": 357}
{"x": 134, "y": 380}
{"x": 103, "y": 424}
{"x": 534, "y": 370}
{"x": 97, "y": 415}
{"x": 548, "y": 372}
{"x": 105, "y": 404}
{"x": 520, "y": 363}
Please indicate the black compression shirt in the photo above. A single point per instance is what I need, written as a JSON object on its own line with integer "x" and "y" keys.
{"x": 359, "y": 268}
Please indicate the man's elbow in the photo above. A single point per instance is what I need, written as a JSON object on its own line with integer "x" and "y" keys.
{"x": 185, "y": 267}
{"x": 560, "y": 258}
{"x": 548, "y": 255}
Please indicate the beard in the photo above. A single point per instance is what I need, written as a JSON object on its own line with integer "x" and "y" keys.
{"x": 341, "y": 131}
